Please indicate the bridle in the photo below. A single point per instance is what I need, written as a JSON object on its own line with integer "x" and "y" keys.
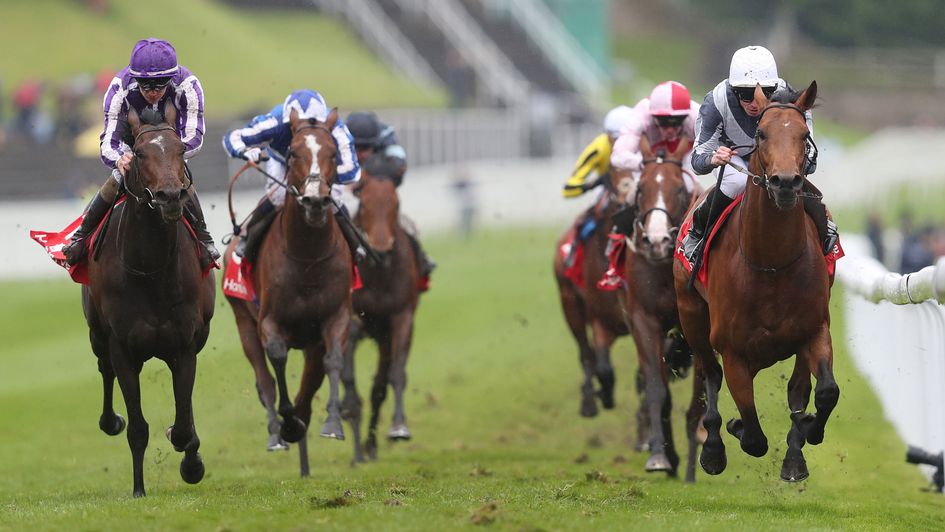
{"x": 639, "y": 221}
{"x": 312, "y": 178}
{"x": 146, "y": 196}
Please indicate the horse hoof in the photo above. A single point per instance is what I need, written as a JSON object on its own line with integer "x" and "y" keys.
{"x": 114, "y": 428}
{"x": 191, "y": 468}
{"x": 332, "y": 429}
{"x": 607, "y": 398}
{"x": 588, "y": 408}
{"x": 293, "y": 430}
{"x": 400, "y": 432}
{"x": 794, "y": 468}
{"x": 137, "y": 494}
{"x": 658, "y": 462}
{"x": 276, "y": 443}
{"x": 713, "y": 461}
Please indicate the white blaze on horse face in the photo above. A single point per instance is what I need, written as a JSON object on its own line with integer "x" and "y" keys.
{"x": 159, "y": 141}
{"x": 657, "y": 227}
{"x": 312, "y": 185}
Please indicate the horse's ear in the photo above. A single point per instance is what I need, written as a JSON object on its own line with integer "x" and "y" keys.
{"x": 294, "y": 119}
{"x": 332, "y": 119}
{"x": 685, "y": 144}
{"x": 170, "y": 113}
{"x": 134, "y": 121}
{"x": 761, "y": 101}
{"x": 645, "y": 150}
{"x": 807, "y": 98}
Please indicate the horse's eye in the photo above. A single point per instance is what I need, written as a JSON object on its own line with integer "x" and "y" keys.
{"x": 761, "y": 135}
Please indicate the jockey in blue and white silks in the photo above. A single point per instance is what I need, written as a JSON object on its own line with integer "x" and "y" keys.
{"x": 152, "y": 80}
{"x": 271, "y": 132}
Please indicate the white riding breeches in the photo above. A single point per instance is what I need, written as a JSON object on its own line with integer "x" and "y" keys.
{"x": 733, "y": 181}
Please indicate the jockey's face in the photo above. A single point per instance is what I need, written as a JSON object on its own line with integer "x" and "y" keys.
{"x": 750, "y": 108}
{"x": 670, "y": 133}
{"x": 363, "y": 153}
{"x": 153, "y": 96}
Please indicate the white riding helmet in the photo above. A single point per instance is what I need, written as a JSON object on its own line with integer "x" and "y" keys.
{"x": 616, "y": 118}
{"x": 669, "y": 98}
{"x": 753, "y": 65}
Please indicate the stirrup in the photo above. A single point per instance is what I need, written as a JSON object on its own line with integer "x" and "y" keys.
{"x": 831, "y": 238}
{"x": 75, "y": 250}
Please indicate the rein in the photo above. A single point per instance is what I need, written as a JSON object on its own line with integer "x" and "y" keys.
{"x": 136, "y": 172}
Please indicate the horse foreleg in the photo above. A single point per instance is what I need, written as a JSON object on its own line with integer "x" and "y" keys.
{"x": 313, "y": 374}
{"x": 293, "y": 429}
{"x": 575, "y": 314}
{"x": 265, "y": 383}
{"x": 794, "y": 467}
{"x": 603, "y": 340}
{"x": 712, "y": 458}
{"x": 128, "y": 380}
{"x": 649, "y": 343}
{"x": 378, "y": 394}
{"x": 819, "y": 357}
{"x": 643, "y": 416}
{"x": 694, "y": 429}
{"x": 747, "y": 429}
{"x": 110, "y": 422}
{"x": 335, "y": 336}
{"x": 182, "y": 434}
{"x": 401, "y": 336}
{"x": 351, "y": 405}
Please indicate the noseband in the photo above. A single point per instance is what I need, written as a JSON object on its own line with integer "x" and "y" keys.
{"x": 146, "y": 196}
{"x": 312, "y": 178}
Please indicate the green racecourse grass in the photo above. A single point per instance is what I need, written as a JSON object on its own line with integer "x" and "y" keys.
{"x": 492, "y": 402}
{"x": 245, "y": 59}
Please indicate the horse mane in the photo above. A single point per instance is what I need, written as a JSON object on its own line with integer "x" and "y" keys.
{"x": 786, "y": 94}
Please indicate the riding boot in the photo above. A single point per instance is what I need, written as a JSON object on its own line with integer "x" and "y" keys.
{"x": 826, "y": 229}
{"x": 703, "y": 220}
{"x": 350, "y": 232}
{"x": 194, "y": 215}
{"x": 425, "y": 265}
{"x": 585, "y": 225}
{"x": 256, "y": 228}
{"x": 77, "y": 248}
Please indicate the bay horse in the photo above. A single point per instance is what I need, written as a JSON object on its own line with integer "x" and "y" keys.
{"x": 384, "y": 310}
{"x": 303, "y": 280}
{"x": 767, "y": 295}
{"x": 147, "y": 296}
{"x": 662, "y": 195}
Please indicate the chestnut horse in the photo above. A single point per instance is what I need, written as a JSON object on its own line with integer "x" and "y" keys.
{"x": 767, "y": 295}
{"x": 384, "y": 310}
{"x": 303, "y": 280}
{"x": 662, "y": 195}
{"x": 147, "y": 296}
{"x": 590, "y": 306}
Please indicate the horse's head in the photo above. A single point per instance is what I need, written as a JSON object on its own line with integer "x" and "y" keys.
{"x": 158, "y": 177}
{"x": 662, "y": 198}
{"x": 311, "y": 166}
{"x": 378, "y": 212}
{"x": 783, "y": 144}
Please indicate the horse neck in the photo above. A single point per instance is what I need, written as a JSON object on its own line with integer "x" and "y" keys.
{"x": 770, "y": 237}
{"x": 146, "y": 243}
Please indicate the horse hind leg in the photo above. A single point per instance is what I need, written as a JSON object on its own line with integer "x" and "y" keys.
{"x": 576, "y": 317}
{"x": 351, "y": 404}
{"x": 712, "y": 459}
{"x": 643, "y": 416}
{"x": 265, "y": 383}
{"x": 110, "y": 422}
{"x": 400, "y": 339}
{"x": 603, "y": 340}
{"x": 694, "y": 430}
{"x": 794, "y": 466}
{"x": 378, "y": 395}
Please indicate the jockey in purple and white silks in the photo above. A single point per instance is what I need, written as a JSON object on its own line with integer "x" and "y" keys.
{"x": 152, "y": 79}
{"x": 725, "y": 132}
{"x": 271, "y": 134}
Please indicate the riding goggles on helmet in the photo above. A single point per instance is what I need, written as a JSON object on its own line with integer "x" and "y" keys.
{"x": 152, "y": 84}
{"x": 670, "y": 121}
{"x": 747, "y": 94}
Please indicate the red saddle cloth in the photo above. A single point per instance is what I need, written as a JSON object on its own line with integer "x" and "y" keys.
{"x": 238, "y": 279}
{"x": 616, "y": 275}
{"x": 703, "y": 276}
{"x": 574, "y": 272}
{"x": 53, "y": 243}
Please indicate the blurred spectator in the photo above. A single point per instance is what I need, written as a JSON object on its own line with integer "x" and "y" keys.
{"x": 874, "y": 232}
{"x": 916, "y": 246}
{"x": 26, "y": 98}
{"x": 463, "y": 189}
{"x": 460, "y": 80}
{"x": 71, "y": 118}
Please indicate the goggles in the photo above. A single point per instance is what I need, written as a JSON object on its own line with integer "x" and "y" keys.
{"x": 670, "y": 121}
{"x": 747, "y": 94}
{"x": 152, "y": 84}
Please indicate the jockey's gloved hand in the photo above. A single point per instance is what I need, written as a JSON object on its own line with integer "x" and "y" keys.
{"x": 253, "y": 155}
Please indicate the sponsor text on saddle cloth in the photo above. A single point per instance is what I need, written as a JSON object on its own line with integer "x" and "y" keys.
{"x": 835, "y": 254}
{"x": 574, "y": 272}
{"x": 53, "y": 242}
{"x": 238, "y": 279}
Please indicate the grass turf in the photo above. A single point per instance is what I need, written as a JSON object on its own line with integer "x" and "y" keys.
{"x": 492, "y": 402}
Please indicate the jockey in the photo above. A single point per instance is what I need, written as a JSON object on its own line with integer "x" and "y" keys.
{"x": 729, "y": 118}
{"x": 594, "y": 159}
{"x": 152, "y": 79}
{"x": 381, "y": 155}
{"x": 268, "y": 136}
{"x": 665, "y": 118}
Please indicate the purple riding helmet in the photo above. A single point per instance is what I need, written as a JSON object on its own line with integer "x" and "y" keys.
{"x": 153, "y": 58}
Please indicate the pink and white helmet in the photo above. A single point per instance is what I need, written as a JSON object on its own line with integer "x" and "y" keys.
{"x": 669, "y": 98}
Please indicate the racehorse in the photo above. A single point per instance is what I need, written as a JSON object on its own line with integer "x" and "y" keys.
{"x": 384, "y": 310}
{"x": 303, "y": 280}
{"x": 147, "y": 296}
{"x": 767, "y": 295}
{"x": 662, "y": 195}
{"x": 588, "y": 305}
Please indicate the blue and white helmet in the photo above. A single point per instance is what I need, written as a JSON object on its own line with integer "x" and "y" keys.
{"x": 307, "y": 103}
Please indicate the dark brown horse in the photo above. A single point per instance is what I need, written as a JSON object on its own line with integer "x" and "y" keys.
{"x": 663, "y": 194}
{"x": 588, "y": 306}
{"x": 147, "y": 296}
{"x": 767, "y": 295}
{"x": 384, "y": 310}
{"x": 303, "y": 280}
